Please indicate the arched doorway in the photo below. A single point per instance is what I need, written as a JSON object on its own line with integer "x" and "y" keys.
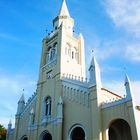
{"x": 77, "y": 133}
{"x": 45, "y": 136}
{"x": 24, "y": 138}
{"x": 119, "y": 130}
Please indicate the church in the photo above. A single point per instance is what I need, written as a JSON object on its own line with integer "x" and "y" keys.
{"x": 67, "y": 105}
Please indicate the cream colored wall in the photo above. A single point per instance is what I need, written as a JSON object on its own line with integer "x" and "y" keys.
{"x": 137, "y": 113}
{"x": 76, "y": 114}
{"x": 69, "y": 66}
{"x": 121, "y": 111}
{"x": 24, "y": 122}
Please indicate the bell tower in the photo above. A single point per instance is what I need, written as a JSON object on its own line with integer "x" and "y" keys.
{"x": 62, "y": 50}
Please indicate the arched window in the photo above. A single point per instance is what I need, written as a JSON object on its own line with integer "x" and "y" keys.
{"x": 72, "y": 55}
{"x": 32, "y": 117}
{"x": 68, "y": 49}
{"x": 51, "y": 53}
{"x": 54, "y": 50}
{"x": 69, "y": 52}
{"x": 48, "y": 106}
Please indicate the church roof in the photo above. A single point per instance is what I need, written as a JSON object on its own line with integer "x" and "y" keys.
{"x": 104, "y": 89}
{"x": 64, "y": 9}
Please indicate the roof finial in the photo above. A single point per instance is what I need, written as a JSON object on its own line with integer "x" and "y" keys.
{"x": 92, "y": 52}
{"x": 22, "y": 96}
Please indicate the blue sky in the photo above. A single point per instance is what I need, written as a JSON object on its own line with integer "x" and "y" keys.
{"x": 110, "y": 27}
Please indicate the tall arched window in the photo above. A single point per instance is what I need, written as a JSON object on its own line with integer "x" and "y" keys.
{"x": 48, "y": 106}
{"x": 54, "y": 50}
{"x": 72, "y": 52}
{"x": 32, "y": 117}
{"x": 51, "y": 53}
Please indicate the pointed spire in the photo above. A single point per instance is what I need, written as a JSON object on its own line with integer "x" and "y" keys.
{"x": 22, "y": 98}
{"x": 127, "y": 80}
{"x": 21, "y": 104}
{"x": 93, "y": 62}
{"x": 94, "y": 70}
{"x": 10, "y": 122}
{"x": 64, "y": 9}
{"x": 128, "y": 88}
{"x": 9, "y": 126}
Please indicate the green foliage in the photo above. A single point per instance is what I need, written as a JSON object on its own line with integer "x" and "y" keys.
{"x": 3, "y": 132}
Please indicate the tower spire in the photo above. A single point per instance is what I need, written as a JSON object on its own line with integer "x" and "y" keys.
{"x": 94, "y": 72}
{"x": 128, "y": 88}
{"x": 64, "y": 9}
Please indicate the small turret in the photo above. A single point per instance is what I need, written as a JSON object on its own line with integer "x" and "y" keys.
{"x": 9, "y": 126}
{"x": 128, "y": 88}
{"x": 94, "y": 73}
{"x": 21, "y": 105}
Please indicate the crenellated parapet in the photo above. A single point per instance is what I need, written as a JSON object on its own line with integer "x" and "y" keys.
{"x": 114, "y": 102}
{"x": 74, "y": 78}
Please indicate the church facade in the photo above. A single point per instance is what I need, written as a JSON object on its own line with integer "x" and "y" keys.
{"x": 67, "y": 105}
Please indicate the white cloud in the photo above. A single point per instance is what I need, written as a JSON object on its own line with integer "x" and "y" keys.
{"x": 10, "y": 91}
{"x": 107, "y": 49}
{"x": 119, "y": 88}
{"x": 125, "y": 13}
{"x": 15, "y": 84}
{"x": 133, "y": 52}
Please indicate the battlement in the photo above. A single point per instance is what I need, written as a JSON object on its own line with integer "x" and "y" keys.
{"x": 114, "y": 102}
{"x": 75, "y": 78}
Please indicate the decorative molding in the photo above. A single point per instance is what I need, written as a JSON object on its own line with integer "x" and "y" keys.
{"x": 49, "y": 120}
{"x": 74, "y": 94}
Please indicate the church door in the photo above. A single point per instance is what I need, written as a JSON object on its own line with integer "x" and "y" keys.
{"x": 78, "y": 134}
{"x": 120, "y": 130}
{"x": 25, "y": 139}
{"x": 47, "y": 136}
